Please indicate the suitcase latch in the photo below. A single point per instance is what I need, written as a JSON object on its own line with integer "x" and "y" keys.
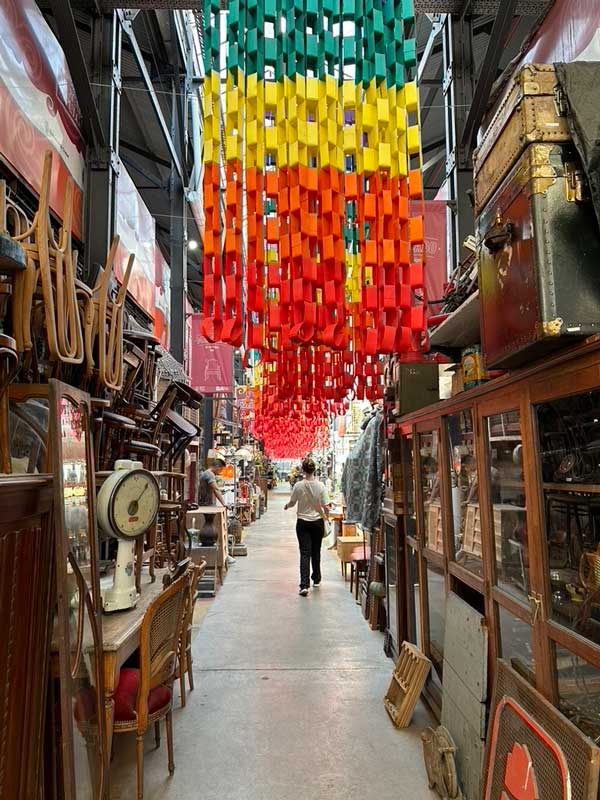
{"x": 561, "y": 102}
{"x": 577, "y": 189}
{"x": 499, "y": 235}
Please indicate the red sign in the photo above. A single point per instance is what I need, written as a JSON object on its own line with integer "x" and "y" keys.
{"x": 433, "y": 252}
{"x": 211, "y": 365}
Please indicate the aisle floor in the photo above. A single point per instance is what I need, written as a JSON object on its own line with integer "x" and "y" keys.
{"x": 288, "y": 698}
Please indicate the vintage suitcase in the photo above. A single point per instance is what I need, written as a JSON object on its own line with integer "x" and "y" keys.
{"x": 532, "y": 111}
{"x": 539, "y": 257}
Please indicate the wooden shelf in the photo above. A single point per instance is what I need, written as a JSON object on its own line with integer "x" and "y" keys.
{"x": 582, "y": 488}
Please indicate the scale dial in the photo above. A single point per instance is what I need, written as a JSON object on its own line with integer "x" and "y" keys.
{"x": 128, "y": 503}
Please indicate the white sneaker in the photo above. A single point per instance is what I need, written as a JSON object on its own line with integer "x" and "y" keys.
{"x": 316, "y": 583}
{"x": 303, "y": 592}
{"x": 230, "y": 560}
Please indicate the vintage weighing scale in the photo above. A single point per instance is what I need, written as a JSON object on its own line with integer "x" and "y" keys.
{"x": 127, "y": 505}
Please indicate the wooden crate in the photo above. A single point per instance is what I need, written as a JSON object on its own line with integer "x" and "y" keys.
{"x": 472, "y": 535}
{"x": 406, "y": 685}
{"x": 434, "y": 538}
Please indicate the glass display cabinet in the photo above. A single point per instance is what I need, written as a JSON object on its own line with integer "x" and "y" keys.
{"x": 505, "y": 512}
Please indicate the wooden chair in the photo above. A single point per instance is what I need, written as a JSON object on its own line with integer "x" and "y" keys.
{"x": 145, "y": 696}
{"x": 185, "y": 660}
{"x": 52, "y": 265}
{"x": 104, "y": 322}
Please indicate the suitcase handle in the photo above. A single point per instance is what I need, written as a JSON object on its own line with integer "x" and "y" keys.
{"x": 499, "y": 235}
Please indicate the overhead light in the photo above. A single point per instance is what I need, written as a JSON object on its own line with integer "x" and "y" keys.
{"x": 192, "y": 244}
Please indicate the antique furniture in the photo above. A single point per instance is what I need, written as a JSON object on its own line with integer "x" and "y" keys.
{"x": 539, "y": 246}
{"x": 103, "y": 321}
{"x": 345, "y": 548}
{"x": 184, "y": 655}
{"x": 527, "y": 114}
{"x": 144, "y": 697}
{"x": 51, "y": 264}
{"x": 27, "y": 572}
{"x": 209, "y": 524}
{"x": 405, "y": 687}
{"x": 79, "y": 685}
{"x": 532, "y": 749}
{"x": 121, "y": 638}
{"x": 515, "y": 461}
{"x": 359, "y": 565}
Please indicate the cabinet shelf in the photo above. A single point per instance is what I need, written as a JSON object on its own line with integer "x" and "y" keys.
{"x": 582, "y": 488}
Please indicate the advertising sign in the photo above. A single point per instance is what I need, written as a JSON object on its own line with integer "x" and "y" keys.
{"x": 150, "y": 281}
{"x": 434, "y": 249}
{"x": 570, "y": 32}
{"x": 211, "y": 366}
{"x": 38, "y": 108}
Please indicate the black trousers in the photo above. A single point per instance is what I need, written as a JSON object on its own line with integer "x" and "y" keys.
{"x": 310, "y": 537}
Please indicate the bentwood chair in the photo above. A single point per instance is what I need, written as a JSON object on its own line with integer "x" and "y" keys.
{"x": 144, "y": 696}
{"x": 185, "y": 644}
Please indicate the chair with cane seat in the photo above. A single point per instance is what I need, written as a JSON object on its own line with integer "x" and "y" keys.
{"x": 145, "y": 696}
{"x": 185, "y": 660}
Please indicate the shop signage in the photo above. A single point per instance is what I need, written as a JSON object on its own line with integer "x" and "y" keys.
{"x": 150, "y": 281}
{"x": 570, "y": 32}
{"x": 38, "y": 108}
{"x": 211, "y": 365}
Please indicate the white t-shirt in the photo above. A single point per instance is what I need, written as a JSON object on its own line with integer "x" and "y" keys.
{"x": 309, "y": 493}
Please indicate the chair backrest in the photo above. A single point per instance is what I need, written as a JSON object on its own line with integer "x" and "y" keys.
{"x": 159, "y": 640}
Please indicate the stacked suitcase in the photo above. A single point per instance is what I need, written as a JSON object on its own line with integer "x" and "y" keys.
{"x": 539, "y": 242}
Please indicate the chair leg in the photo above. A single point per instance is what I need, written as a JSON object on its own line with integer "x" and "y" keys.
{"x": 182, "y": 678}
{"x": 169, "y": 723}
{"x": 190, "y": 672}
{"x": 139, "y": 751}
{"x": 351, "y": 576}
{"x": 157, "y": 733}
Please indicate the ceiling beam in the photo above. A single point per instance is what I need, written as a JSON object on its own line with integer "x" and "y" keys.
{"x": 164, "y": 127}
{"x": 488, "y": 72}
{"x": 69, "y": 39}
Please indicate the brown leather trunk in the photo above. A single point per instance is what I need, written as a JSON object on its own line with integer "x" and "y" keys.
{"x": 539, "y": 282}
{"x": 531, "y": 111}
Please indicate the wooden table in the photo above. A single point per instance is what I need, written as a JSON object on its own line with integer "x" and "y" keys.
{"x": 345, "y": 546}
{"x": 121, "y": 638}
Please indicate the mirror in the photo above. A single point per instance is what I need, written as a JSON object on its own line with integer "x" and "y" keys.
{"x": 80, "y": 638}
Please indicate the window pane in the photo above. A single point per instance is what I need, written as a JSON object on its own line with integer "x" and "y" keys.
{"x": 436, "y": 597}
{"x": 414, "y": 608}
{"x": 579, "y": 692}
{"x": 430, "y": 480}
{"x": 509, "y": 519}
{"x": 466, "y": 516}
{"x": 569, "y": 441}
{"x": 515, "y": 643}
{"x": 409, "y": 478}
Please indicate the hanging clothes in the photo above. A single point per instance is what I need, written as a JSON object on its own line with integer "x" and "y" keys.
{"x": 362, "y": 478}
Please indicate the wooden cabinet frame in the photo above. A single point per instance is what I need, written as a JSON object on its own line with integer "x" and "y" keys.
{"x": 568, "y": 373}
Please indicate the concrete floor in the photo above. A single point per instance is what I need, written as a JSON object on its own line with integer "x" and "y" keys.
{"x": 289, "y": 690}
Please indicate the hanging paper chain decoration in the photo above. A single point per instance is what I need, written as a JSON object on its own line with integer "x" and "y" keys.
{"x": 315, "y": 134}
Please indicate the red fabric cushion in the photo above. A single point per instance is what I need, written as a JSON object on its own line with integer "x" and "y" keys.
{"x": 360, "y": 554}
{"x": 125, "y": 696}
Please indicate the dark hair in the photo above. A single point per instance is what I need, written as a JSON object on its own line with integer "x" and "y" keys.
{"x": 308, "y": 466}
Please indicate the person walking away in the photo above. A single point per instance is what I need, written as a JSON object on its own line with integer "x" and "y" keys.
{"x": 313, "y": 502}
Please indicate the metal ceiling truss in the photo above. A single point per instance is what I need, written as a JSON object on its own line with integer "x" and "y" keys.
{"x": 524, "y": 7}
